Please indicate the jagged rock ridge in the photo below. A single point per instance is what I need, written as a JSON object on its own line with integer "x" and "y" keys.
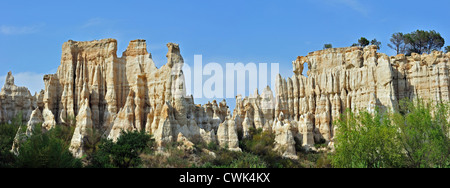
{"x": 352, "y": 78}
{"x": 110, "y": 94}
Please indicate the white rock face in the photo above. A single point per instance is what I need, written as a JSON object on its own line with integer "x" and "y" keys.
{"x": 124, "y": 119}
{"x": 131, "y": 93}
{"x": 227, "y": 135}
{"x": 284, "y": 140}
{"x": 83, "y": 127}
{"x": 340, "y": 78}
{"x": 21, "y": 136}
{"x": 49, "y": 119}
{"x": 36, "y": 118}
{"x": 125, "y": 93}
{"x": 15, "y": 100}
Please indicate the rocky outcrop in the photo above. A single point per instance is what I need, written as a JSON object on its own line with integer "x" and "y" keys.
{"x": 126, "y": 93}
{"x": 124, "y": 119}
{"x": 83, "y": 129}
{"x": 108, "y": 94}
{"x": 352, "y": 78}
{"x": 15, "y": 100}
{"x": 21, "y": 136}
{"x": 227, "y": 135}
{"x": 35, "y": 119}
{"x": 423, "y": 76}
{"x": 284, "y": 138}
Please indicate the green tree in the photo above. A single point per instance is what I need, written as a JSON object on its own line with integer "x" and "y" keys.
{"x": 398, "y": 43}
{"x": 363, "y": 42}
{"x": 423, "y": 136}
{"x": 7, "y": 134}
{"x": 421, "y": 41}
{"x": 447, "y": 49}
{"x": 124, "y": 153}
{"x": 92, "y": 141}
{"x": 366, "y": 140}
{"x": 327, "y": 46}
{"x": 47, "y": 150}
{"x": 376, "y": 43}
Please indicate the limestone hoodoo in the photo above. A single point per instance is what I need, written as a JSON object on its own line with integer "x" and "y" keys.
{"x": 109, "y": 94}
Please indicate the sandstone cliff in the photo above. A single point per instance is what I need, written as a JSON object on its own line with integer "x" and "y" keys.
{"x": 352, "y": 78}
{"x": 15, "y": 100}
{"x": 110, "y": 94}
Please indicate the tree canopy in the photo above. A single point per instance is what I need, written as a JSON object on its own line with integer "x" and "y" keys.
{"x": 398, "y": 43}
{"x": 419, "y": 41}
{"x": 363, "y": 42}
{"x": 326, "y": 46}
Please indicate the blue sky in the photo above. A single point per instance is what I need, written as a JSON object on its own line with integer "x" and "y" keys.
{"x": 259, "y": 31}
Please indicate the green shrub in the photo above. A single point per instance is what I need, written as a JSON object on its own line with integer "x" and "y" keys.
{"x": 247, "y": 160}
{"x": 414, "y": 136}
{"x": 366, "y": 140}
{"x": 260, "y": 142}
{"x": 7, "y": 134}
{"x": 47, "y": 150}
{"x": 323, "y": 162}
{"x": 423, "y": 135}
{"x": 224, "y": 158}
{"x": 124, "y": 153}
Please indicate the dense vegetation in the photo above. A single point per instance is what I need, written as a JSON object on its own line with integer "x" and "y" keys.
{"x": 124, "y": 153}
{"x": 257, "y": 152}
{"x": 416, "y": 136}
{"x": 418, "y": 41}
{"x": 48, "y": 149}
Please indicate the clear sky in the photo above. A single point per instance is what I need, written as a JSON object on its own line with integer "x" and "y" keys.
{"x": 259, "y": 31}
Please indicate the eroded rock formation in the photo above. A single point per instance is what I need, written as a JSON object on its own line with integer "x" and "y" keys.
{"x": 15, "y": 100}
{"x": 83, "y": 129}
{"x": 109, "y": 94}
{"x": 352, "y": 78}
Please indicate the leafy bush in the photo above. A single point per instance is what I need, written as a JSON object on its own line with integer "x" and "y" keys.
{"x": 423, "y": 135}
{"x": 366, "y": 141}
{"x": 248, "y": 160}
{"x": 7, "y": 134}
{"x": 47, "y": 150}
{"x": 415, "y": 136}
{"x": 323, "y": 161}
{"x": 124, "y": 153}
{"x": 260, "y": 142}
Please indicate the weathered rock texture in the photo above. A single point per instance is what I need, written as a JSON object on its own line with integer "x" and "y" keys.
{"x": 83, "y": 129}
{"x": 110, "y": 94}
{"x": 22, "y": 136}
{"x": 15, "y": 100}
{"x": 338, "y": 79}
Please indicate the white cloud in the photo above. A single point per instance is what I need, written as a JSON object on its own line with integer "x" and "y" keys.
{"x": 33, "y": 81}
{"x": 93, "y": 22}
{"x": 20, "y": 30}
{"x": 355, "y": 5}
{"x": 99, "y": 22}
